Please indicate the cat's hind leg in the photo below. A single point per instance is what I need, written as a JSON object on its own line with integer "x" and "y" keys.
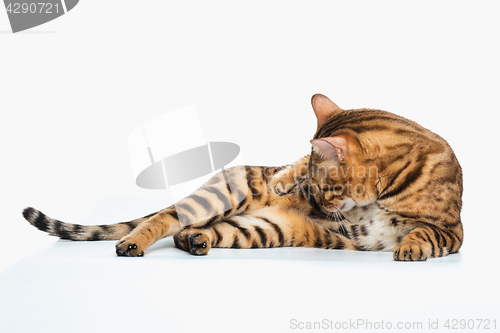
{"x": 265, "y": 228}
{"x": 192, "y": 240}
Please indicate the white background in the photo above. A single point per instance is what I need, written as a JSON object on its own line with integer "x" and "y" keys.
{"x": 72, "y": 90}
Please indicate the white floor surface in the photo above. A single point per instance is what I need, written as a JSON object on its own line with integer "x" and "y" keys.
{"x": 83, "y": 287}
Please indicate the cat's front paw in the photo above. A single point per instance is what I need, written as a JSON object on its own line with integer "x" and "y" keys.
{"x": 410, "y": 251}
{"x": 283, "y": 187}
{"x": 127, "y": 247}
{"x": 193, "y": 241}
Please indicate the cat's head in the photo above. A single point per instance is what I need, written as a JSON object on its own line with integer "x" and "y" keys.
{"x": 338, "y": 173}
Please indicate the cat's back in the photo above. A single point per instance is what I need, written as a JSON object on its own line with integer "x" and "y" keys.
{"x": 373, "y": 122}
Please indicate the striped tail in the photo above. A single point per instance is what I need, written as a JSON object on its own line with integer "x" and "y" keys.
{"x": 79, "y": 232}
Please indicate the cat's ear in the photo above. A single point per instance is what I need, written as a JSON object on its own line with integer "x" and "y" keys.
{"x": 324, "y": 108}
{"x": 331, "y": 148}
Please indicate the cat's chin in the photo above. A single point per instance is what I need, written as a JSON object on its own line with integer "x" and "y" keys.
{"x": 348, "y": 205}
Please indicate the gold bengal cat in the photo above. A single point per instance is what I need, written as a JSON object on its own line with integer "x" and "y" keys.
{"x": 374, "y": 181}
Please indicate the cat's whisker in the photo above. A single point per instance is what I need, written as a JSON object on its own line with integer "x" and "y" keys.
{"x": 336, "y": 216}
{"x": 345, "y": 215}
{"x": 328, "y": 217}
{"x": 341, "y": 217}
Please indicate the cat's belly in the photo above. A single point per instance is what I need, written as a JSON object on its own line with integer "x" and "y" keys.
{"x": 372, "y": 228}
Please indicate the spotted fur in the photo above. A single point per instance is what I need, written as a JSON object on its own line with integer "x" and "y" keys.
{"x": 374, "y": 181}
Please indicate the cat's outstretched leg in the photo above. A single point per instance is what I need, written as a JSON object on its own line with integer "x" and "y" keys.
{"x": 265, "y": 228}
{"x": 163, "y": 223}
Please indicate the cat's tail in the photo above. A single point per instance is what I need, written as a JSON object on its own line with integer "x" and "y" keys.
{"x": 79, "y": 232}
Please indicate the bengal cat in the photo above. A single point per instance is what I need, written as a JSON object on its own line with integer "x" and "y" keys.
{"x": 374, "y": 181}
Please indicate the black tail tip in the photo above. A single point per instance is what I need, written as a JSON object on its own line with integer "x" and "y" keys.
{"x": 36, "y": 218}
{"x": 30, "y": 214}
